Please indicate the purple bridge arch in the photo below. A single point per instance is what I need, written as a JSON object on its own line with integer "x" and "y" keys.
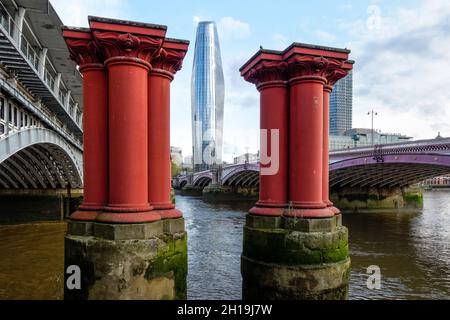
{"x": 392, "y": 165}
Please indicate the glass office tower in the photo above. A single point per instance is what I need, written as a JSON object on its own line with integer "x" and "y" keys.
{"x": 341, "y": 101}
{"x": 207, "y": 98}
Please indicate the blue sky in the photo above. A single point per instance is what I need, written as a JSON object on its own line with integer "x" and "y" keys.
{"x": 401, "y": 49}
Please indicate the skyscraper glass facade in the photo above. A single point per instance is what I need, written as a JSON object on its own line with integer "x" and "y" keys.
{"x": 207, "y": 98}
{"x": 341, "y": 101}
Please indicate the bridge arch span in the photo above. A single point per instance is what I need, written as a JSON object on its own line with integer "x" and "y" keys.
{"x": 392, "y": 170}
{"x": 39, "y": 158}
{"x": 243, "y": 175}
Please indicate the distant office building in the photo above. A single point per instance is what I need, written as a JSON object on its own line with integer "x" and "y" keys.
{"x": 207, "y": 94}
{"x": 187, "y": 162}
{"x": 341, "y": 100}
{"x": 176, "y": 155}
{"x": 437, "y": 182}
{"x": 246, "y": 157}
{"x": 358, "y": 137}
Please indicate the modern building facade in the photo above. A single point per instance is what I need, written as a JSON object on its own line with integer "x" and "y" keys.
{"x": 207, "y": 98}
{"x": 341, "y": 101}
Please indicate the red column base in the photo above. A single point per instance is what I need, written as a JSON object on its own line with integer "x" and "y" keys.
{"x": 87, "y": 212}
{"x": 309, "y": 213}
{"x": 267, "y": 211}
{"x": 170, "y": 213}
{"x": 130, "y": 217}
{"x": 332, "y": 207}
{"x": 84, "y": 215}
{"x": 162, "y": 205}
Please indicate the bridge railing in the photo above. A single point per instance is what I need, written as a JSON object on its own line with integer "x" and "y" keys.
{"x": 429, "y": 145}
{"x": 36, "y": 62}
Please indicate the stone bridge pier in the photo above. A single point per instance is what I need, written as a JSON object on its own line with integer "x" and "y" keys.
{"x": 295, "y": 246}
{"x": 127, "y": 238}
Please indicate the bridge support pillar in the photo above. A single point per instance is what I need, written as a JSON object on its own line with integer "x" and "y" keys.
{"x": 95, "y": 124}
{"x": 128, "y": 251}
{"x": 159, "y": 166}
{"x": 302, "y": 253}
{"x": 128, "y": 261}
{"x": 289, "y": 258}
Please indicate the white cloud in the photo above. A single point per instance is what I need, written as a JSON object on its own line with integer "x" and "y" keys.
{"x": 75, "y": 12}
{"x": 325, "y": 36}
{"x": 230, "y": 28}
{"x": 402, "y": 68}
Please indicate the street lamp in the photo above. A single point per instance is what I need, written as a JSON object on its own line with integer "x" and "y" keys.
{"x": 373, "y": 113}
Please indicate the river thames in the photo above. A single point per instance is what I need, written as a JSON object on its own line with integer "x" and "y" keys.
{"x": 411, "y": 249}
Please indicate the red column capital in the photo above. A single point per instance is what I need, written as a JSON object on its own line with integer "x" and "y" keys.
{"x": 82, "y": 47}
{"x": 126, "y": 40}
{"x": 170, "y": 58}
{"x": 336, "y": 70}
{"x": 267, "y": 74}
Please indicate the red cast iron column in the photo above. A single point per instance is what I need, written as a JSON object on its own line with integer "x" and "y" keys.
{"x": 325, "y": 156}
{"x": 268, "y": 72}
{"x": 128, "y": 49}
{"x": 306, "y": 136}
{"x": 95, "y": 125}
{"x": 159, "y": 165}
{"x": 337, "y": 69}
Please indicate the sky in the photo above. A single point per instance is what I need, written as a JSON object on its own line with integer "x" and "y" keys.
{"x": 401, "y": 49}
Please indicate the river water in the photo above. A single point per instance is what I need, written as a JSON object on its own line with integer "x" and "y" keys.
{"x": 412, "y": 251}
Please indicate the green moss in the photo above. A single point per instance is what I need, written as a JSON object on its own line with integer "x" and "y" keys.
{"x": 275, "y": 246}
{"x": 171, "y": 262}
{"x": 413, "y": 199}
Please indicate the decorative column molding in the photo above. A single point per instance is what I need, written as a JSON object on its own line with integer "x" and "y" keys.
{"x": 164, "y": 66}
{"x": 85, "y": 53}
{"x": 267, "y": 71}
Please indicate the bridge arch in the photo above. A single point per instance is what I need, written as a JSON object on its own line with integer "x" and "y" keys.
{"x": 246, "y": 175}
{"x": 388, "y": 170}
{"x": 39, "y": 158}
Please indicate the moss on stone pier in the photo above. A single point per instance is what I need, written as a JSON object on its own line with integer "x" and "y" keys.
{"x": 171, "y": 262}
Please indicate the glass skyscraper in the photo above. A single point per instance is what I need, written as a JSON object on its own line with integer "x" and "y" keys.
{"x": 341, "y": 101}
{"x": 207, "y": 98}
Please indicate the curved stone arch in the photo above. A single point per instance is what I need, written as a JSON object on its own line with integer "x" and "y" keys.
{"x": 36, "y": 143}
